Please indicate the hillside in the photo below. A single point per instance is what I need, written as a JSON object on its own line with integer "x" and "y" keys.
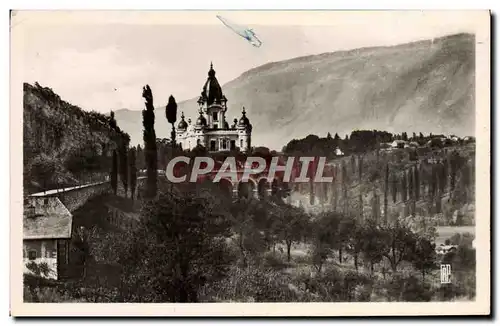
{"x": 436, "y": 186}
{"x": 425, "y": 86}
{"x": 64, "y": 145}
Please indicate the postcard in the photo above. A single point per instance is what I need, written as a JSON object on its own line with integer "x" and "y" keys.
{"x": 250, "y": 163}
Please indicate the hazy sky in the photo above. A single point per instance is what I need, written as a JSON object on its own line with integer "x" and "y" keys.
{"x": 100, "y": 61}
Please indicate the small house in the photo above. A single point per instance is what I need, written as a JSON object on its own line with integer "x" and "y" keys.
{"x": 444, "y": 249}
{"x": 338, "y": 152}
{"x": 398, "y": 143}
{"x": 47, "y": 231}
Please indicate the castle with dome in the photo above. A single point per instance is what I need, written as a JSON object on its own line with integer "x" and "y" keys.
{"x": 211, "y": 129}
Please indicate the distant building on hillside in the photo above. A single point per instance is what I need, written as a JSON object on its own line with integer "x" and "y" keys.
{"x": 444, "y": 249}
{"x": 469, "y": 139}
{"x": 212, "y": 129}
{"x": 398, "y": 143}
{"x": 47, "y": 232}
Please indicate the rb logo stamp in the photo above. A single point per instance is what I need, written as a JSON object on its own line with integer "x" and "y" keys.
{"x": 445, "y": 273}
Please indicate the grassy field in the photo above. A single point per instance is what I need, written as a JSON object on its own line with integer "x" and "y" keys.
{"x": 445, "y": 232}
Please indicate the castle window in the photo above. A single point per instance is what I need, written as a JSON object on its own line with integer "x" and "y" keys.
{"x": 224, "y": 144}
{"x": 215, "y": 126}
{"x": 214, "y": 116}
{"x": 212, "y": 145}
{"x": 233, "y": 144}
{"x": 241, "y": 143}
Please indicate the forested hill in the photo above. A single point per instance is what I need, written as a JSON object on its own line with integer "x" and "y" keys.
{"x": 64, "y": 145}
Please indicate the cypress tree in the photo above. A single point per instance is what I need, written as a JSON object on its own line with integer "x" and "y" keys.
{"x": 344, "y": 187}
{"x": 404, "y": 187}
{"x": 386, "y": 191}
{"x": 112, "y": 121}
{"x": 422, "y": 179}
{"x": 114, "y": 172}
{"x": 454, "y": 167}
{"x": 141, "y": 164}
{"x": 132, "y": 171}
{"x": 360, "y": 168}
{"x": 360, "y": 176}
{"x": 333, "y": 198}
{"x": 414, "y": 207}
{"x": 444, "y": 176}
{"x": 123, "y": 166}
{"x": 311, "y": 170}
{"x": 437, "y": 187}
{"x": 465, "y": 180}
{"x": 311, "y": 191}
{"x": 410, "y": 183}
{"x": 446, "y": 172}
{"x": 433, "y": 182}
{"x": 325, "y": 193}
{"x": 438, "y": 196}
{"x": 394, "y": 183}
{"x": 353, "y": 165}
{"x": 375, "y": 206}
{"x": 148, "y": 121}
{"x": 171, "y": 114}
{"x": 416, "y": 179}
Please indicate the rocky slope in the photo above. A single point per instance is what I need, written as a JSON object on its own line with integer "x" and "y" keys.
{"x": 63, "y": 145}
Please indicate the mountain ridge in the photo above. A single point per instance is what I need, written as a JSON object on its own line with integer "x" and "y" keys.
{"x": 426, "y": 85}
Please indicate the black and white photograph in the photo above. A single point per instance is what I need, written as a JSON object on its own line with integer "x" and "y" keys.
{"x": 242, "y": 157}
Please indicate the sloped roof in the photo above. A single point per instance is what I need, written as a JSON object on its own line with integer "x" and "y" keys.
{"x": 51, "y": 219}
{"x": 212, "y": 92}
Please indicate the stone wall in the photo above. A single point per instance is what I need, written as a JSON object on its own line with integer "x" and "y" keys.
{"x": 75, "y": 198}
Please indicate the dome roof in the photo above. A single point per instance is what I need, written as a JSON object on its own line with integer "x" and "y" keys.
{"x": 182, "y": 124}
{"x": 212, "y": 92}
{"x": 201, "y": 121}
{"x": 244, "y": 120}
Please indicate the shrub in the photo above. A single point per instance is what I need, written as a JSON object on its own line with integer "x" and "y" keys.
{"x": 336, "y": 286}
{"x": 252, "y": 284}
{"x": 40, "y": 269}
{"x": 407, "y": 288}
{"x": 273, "y": 261}
{"x": 48, "y": 294}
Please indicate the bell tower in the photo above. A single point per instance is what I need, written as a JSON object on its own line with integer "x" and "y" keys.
{"x": 212, "y": 102}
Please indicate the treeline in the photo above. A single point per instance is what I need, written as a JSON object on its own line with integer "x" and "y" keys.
{"x": 359, "y": 141}
{"x": 64, "y": 145}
